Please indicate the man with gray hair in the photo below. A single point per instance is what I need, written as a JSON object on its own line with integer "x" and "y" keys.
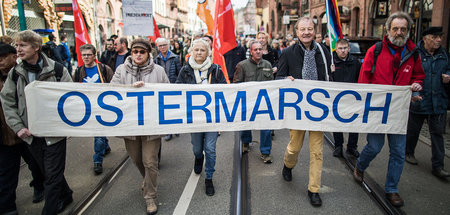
{"x": 255, "y": 69}
{"x": 307, "y": 60}
{"x": 170, "y": 62}
{"x": 394, "y": 61}
{"x": 49, "y": 152}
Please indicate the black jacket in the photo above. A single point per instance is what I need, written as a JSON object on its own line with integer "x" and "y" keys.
{"x": 112, "y": 61}
{"x": 271, "y": 56}
{"x": 232, "y": 58}
{"x": 187, "y": 76}
{"x": 291, "y": 62}
{"x": 106, "y": 55}
{"x": 346, "y": 71}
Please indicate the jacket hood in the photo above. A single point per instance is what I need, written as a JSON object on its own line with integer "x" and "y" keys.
{"x": 133, "y": 68}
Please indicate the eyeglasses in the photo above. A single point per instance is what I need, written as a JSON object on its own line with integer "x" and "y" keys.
{"x": 87, "y": 55}
{"x": 139, "y": 51}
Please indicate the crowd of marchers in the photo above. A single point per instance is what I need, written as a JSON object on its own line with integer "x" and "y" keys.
{"x": 396, "y": 60}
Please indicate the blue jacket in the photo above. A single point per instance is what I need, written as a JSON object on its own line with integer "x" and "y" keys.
{"x": 434, "y": 97}
{"x": 172, "y": 66}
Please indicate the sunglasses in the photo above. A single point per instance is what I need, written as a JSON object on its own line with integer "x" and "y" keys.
{"x": 139, "y": 51}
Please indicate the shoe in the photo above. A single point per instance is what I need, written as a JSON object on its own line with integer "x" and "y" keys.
{"x": 209, "y": 187}
{"x": 337, "y": 151}
{"x": 394, "y": 199}
{"x": 287, "y": 173}
{"x": 440, "y": 173}
{"x": 198, "y": 165}
{"x": 411, "y": 159}
{"x": 107, "y": 151}
{"x": 38, "y": 195}
{"x": 98, "y": 168}
{"x": 168, "y": 137}
{"x": 353, "y": 152}
{"x": 266, "y": 158}
{"x": 62, "y": 204}
{"x": 358, "y": 175}
{"x": 152, "y": 208}
{"x": 245, "y": 148}
{"x": 314, "y": 198}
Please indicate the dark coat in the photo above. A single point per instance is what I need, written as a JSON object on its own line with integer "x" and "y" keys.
{"x": 346, "y": 71}
{"x": 232, "y": 58}
{"x": 172, "y": 66}
{"x": 112, "y": 61}
{"x": 187, "y": 76}
{"x": 271, "y": 56}
{"x": 106, "y": 56}
{"x": 291, "y": 62}
{"x": 434, "y": 97}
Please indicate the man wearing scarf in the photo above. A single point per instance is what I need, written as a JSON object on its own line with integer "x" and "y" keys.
{"x": 395, "y": 65}
{"x": 306, "y": 60}
{"x": 49, "y": 152}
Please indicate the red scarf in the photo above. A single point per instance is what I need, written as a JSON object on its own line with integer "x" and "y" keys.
{"x": 397, "y": 55}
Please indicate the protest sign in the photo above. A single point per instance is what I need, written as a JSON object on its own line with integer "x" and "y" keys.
{"x": 74, "y": 109}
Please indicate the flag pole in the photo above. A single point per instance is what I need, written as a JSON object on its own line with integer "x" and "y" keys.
{"x": 328, "y": 28}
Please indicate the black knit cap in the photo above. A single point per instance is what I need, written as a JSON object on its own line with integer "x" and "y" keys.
{"x": 141, "y": 43}
{"x": 7, "y": 49}
{"x": 433, "y": 31}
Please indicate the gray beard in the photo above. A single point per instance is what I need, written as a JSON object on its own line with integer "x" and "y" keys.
{"x": 399, "y": 42}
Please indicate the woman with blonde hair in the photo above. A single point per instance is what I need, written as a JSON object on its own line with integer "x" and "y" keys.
{"x": 139, "y": 69}
{"x": 200, "y": 70}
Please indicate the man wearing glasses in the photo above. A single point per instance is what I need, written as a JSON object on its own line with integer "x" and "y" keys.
{"x": 345, "y": 69}
{"x": 92, "y": 72}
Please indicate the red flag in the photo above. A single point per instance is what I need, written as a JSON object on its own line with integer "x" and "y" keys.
{"x": 81, "y": 34}
{"x": 156, "y": 33}
{"x": 224, "y": 36}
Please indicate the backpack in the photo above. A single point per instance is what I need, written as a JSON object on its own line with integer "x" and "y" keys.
{"x": 377, "y": 51}
{"x": 59, "y": 69}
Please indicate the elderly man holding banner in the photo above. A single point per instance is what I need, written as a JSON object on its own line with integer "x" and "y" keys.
{"x": 395, "y": 61}
{"x": 310, "y": 61}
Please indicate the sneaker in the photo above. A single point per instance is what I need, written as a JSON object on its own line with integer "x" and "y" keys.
{"x": 38, "y": 195}
{"x": 98, "y": 168}
{"x": 245, "y": 148}
{"x": 209, "y": 187}
{"x": 152, "y": 208}
{"x": 266, "y": 158}
{"x": 168, "y": 137}
{"x": 198, "y": 165}
{"x": 287, "y": 173}
{"x": 411, "y": 159}
{"x": 353, "y": 152}
{"x": 338, "y": 151}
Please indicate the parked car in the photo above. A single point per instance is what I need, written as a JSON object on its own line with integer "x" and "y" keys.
{"x": 359, "y": 45}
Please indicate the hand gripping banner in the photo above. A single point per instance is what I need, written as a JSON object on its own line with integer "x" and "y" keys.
{"x": 74, "y": 109}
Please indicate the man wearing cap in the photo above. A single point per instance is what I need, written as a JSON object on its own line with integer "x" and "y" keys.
{"x": 12, "y": 148}
{"x": 92, "y": 72}
{"x": 433, "y": 106}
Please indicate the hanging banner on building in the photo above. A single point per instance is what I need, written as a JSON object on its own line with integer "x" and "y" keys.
{"x": 137, "y": 17}
{"x": 75, "y": 109}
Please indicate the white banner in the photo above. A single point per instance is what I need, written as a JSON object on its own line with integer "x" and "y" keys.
{"x": 75, "y": 109}
{"x": 137, "y": 17}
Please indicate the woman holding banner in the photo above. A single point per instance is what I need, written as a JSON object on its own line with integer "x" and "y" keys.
{"x": 200, "y": 70}
{"x": 137, "y": 70}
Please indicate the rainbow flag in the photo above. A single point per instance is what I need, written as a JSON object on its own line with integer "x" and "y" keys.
{"x": 334, "y": 23}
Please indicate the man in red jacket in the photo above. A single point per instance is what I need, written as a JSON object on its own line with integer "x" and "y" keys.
{"x": 397, "y": 63}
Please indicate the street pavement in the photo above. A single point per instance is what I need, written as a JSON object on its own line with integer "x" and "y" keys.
{"x": 269, "y": 193}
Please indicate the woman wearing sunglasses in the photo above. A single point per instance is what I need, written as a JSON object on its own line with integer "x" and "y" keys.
{"x": 137, "y": 70}
{"x": 200, "y": 70}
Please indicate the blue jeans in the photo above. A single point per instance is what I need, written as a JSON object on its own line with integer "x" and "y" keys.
{"x": 265, "y": 144}
{"x": 375, "y": 142}
{"x": 100, "y": 146}
{"x": 205, "y": 141}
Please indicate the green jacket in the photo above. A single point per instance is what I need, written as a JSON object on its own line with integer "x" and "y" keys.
{"x": 248, "y": 70}
{"x": 16, "y": 111}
